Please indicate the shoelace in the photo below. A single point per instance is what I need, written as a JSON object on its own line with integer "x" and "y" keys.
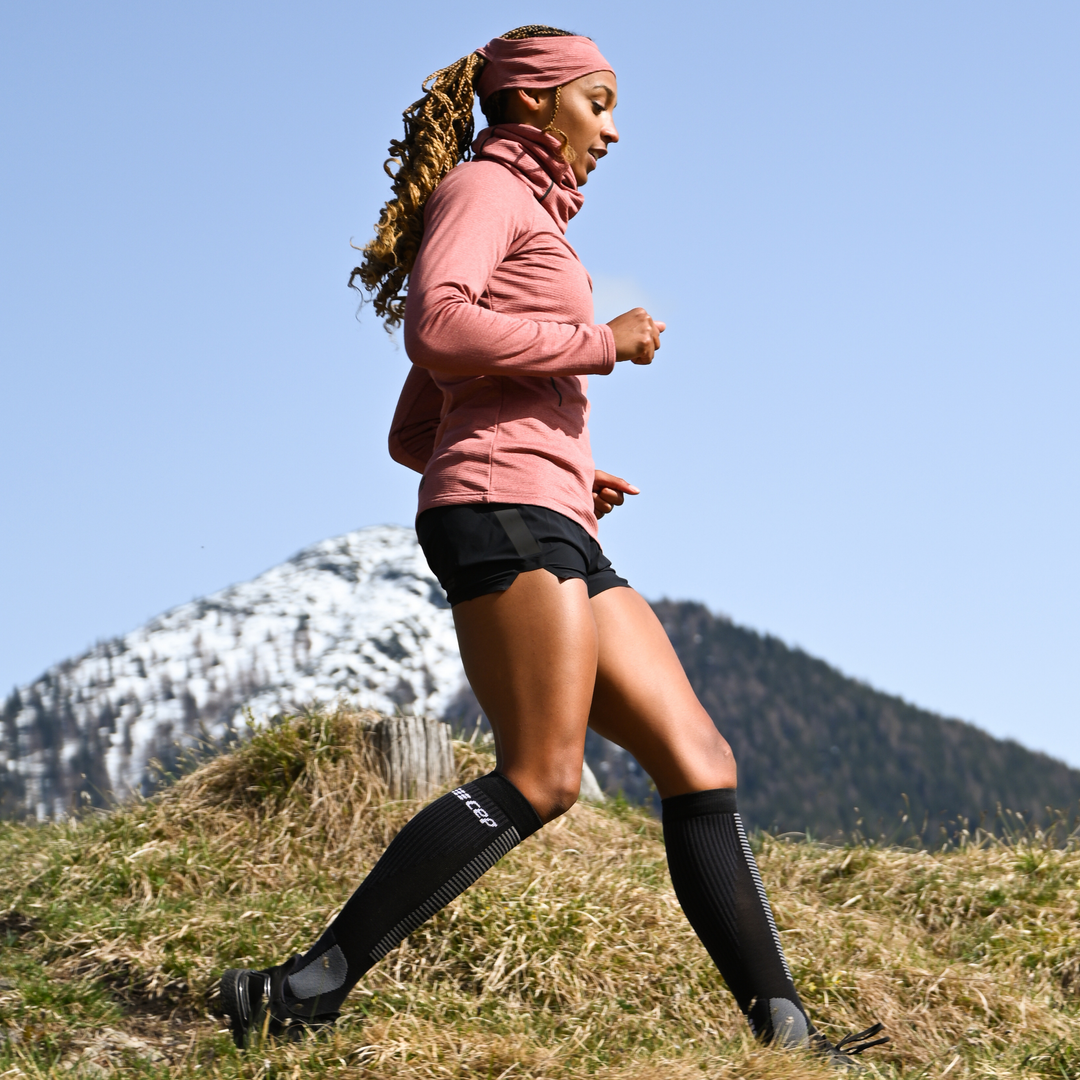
{"x": 847, "y": 1045}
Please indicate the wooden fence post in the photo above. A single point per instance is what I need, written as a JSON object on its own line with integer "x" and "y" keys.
{"x": 416, "y": 754}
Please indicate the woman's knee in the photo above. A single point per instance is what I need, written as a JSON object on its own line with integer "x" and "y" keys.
{"x": 713, "y": 753}
{"x": 723, "y": 760}
{"x": 557, "y": 803}
{"x": 702, "y": 760}
{"x": 550, "y": 794}
{"x": 719, "y": 749}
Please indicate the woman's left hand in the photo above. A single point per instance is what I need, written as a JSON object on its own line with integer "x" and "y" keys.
{"x": 608, "y": 492}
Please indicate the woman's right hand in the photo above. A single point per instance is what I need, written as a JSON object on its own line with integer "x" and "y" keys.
{"x": 637, "y": 337}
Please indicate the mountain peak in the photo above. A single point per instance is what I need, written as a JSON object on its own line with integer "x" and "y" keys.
{"x": 357, "y": 617}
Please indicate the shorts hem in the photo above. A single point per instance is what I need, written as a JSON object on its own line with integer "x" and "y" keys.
{"x": 475, "y": 550}
{"x": 614, "y": 582}
{"x": 501, "y": 582}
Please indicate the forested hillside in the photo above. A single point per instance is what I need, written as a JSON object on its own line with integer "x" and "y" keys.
{"x": 823, "y": 753}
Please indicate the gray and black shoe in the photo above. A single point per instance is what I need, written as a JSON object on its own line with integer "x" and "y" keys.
{"x": 842, "y": 1055}
{"x": 254, "y": 1002}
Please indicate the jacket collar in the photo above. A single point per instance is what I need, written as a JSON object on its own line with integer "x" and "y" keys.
{"x": 534, "y": 156}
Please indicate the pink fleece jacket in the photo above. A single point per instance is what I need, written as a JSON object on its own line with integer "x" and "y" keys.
{"x": 499, "y": 327}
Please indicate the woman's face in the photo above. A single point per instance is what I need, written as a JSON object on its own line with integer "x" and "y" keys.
{"x": 585, "y": 108}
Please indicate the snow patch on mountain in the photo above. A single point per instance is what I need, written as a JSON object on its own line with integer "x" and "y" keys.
{"x": 358, "y": 618}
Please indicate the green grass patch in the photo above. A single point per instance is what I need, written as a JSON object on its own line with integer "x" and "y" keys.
{"x": 571, "y": 958}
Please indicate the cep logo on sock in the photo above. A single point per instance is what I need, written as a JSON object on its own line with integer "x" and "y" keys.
{"x": 484, "y": 817}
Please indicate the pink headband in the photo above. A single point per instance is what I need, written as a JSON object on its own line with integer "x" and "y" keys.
{"x": 540, "y": 63}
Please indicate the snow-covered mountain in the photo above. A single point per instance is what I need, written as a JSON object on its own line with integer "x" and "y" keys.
{"x": 358, "y": 618}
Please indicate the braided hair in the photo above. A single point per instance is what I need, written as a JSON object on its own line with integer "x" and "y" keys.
{"x": 438, "y": 134}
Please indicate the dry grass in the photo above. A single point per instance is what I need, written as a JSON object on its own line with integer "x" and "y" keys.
{"x": 570, "y": 958}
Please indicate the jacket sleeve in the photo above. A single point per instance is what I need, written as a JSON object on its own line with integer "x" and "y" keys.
{"x": 416, "y": 419}
{"x": 471, "y": 222}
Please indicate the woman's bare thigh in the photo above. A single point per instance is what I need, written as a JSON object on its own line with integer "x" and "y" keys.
{"x": 643, "y": 701}
{"x": 530, "y": 656}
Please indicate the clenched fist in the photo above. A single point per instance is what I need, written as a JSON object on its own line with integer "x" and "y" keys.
{"x": 637, "y": 336}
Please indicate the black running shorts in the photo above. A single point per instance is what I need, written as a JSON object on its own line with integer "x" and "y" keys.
{"x": 478, "y": 548}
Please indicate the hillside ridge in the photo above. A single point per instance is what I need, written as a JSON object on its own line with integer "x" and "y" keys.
{"x": 570, "y": 958}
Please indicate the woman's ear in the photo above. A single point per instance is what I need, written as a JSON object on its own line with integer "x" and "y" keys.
{"x": 528, "y": 106}
{"x": 533, "y": 103}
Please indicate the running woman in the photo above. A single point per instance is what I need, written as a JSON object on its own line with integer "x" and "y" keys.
{"x": 500, "y": 330}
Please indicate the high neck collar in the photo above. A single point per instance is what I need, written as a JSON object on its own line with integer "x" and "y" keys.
{"x": 535, "y": 156}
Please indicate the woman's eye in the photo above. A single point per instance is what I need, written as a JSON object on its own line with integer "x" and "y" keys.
{"x": 597, "y": 107}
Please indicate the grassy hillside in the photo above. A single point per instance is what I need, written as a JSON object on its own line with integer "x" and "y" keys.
{"x": 570, "y": 958}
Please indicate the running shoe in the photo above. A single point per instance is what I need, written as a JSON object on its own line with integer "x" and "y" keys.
{"x": 254, "y": 1003}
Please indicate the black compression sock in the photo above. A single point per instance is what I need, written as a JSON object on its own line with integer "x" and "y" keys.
{"x": 717, "y": 882}
{"x": 435, "y": 857}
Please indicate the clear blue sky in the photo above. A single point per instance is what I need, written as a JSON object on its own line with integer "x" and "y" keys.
{"x": 860, "y": 220}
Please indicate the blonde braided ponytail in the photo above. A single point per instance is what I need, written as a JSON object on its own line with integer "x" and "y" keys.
{"x": 438, "y": 134}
